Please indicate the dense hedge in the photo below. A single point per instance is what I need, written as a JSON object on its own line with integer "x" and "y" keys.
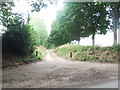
{"x": 19, "y": 41}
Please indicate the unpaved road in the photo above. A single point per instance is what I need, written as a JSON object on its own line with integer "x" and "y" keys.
{"x": 56, "y": 72}
{"x": 111, "y": 84}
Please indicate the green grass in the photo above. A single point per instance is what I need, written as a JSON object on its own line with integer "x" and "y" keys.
{"x": 12, "y": 60}
{"x": 41, "y": 50}
{"x": 116, "y": 47}
{"x": 32, "y": 58}
{"x": 89, "y": 53}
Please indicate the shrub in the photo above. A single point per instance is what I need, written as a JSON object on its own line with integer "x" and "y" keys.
{"x": 90, "y": 53}
{"x": 116, "y": 47}
{"x": 19, "y": 41}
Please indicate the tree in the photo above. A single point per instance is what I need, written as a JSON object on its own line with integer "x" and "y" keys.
{"x": 78, "y": 24}
{"x": 81, "y": 20}
{"x": 6, "y": 13}
{"x": 69, "y": 25}
{"x": 114, "y": 14}
{"x": 58, "y": 37}
{"x": 39, "y": 4}
{"x": 19, "y": 37}
{"x": 40, "y": 29}
{"x": 9, "y": 19}
{"x": 97, "y": 16}
{"x": 19, "y": 41}
{"x": 114, "y": 8}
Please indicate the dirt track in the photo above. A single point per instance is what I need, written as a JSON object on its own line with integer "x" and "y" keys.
{"x": 56, "y": 72}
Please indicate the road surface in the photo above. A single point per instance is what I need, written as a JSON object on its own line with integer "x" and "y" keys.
{"x": 111, "y": 84}
{"x": 56, "y": 72}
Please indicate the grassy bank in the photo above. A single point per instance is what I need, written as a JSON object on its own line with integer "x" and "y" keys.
{"x": 89, "y": 53}
{"x": 13, "y": 60}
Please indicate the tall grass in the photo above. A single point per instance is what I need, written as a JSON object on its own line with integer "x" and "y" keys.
{"x": 89, "y": 53}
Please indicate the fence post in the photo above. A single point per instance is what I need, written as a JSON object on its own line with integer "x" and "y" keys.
{"x": 70, "y": 54}
{"x": 36, "y": 53}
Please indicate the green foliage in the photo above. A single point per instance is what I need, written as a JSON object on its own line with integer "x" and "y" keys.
{"x": 40, "y": 29}
{"x": 88, "y": 53}
{"x": 19, "y": 38}
{"x": 33, "y": 58}
{"x": 58, "y": 38}
{"x": 79, "y": 20}
{"x": 41, "y": 50}
{"x": 6, "y": 12}
{"x": 116, "y": 47}
{"x": 19, "y": 41}
{"x": 15, "y": 60}
{"x": 39, "y": 4}
{"x": 114, "y": 15}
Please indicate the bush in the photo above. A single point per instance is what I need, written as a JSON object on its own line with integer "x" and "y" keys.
{"x": 116, "y": 47}
{"x": 89, "y": 53}
{"x": 19, "y": 41}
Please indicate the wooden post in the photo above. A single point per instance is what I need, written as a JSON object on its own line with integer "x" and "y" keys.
{"x": 70, "y": 54}
{"x": 36, "y": 53}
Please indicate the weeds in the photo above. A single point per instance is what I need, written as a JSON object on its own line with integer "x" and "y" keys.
{"x": 12, "y": 60}
{"x": 90, "y": 53}
{"x": 116, "y": 47}
{"x": 32, "y": 58}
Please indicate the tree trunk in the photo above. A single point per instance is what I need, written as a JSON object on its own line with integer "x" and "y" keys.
{"x": 115, "y": 35}
{"x": 28, "y": 19}
{"x": 78, "y": 41}
{"x": 93, "y": 39}
{"x": 78, "y": 38}
{"x": 115, "y": 22}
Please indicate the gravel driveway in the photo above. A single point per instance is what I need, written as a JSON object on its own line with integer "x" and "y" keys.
{"x": 56, "y": 72}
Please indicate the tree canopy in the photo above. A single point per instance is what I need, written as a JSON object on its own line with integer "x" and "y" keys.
{"x": 40, "y": 28}
{"x": 79, "y": 20}
{"x": 114, "y": 14}
{"x": 19, "y": 37}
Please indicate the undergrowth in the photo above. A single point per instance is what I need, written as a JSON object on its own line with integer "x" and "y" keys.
{"x": 9, "y": 60}
{"x": 90, "y": 53}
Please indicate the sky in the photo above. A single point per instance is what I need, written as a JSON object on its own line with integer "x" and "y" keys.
{"x": 49, "y": 15}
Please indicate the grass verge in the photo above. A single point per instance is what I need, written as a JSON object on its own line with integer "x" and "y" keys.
{"x": 89, "y": 53}
{"x": 13, "y": 60}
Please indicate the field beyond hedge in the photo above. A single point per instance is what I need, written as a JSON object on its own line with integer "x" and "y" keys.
{"x": 89, "y": 53}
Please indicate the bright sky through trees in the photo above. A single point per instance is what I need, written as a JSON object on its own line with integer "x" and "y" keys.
{"x": 49, "y": 15}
